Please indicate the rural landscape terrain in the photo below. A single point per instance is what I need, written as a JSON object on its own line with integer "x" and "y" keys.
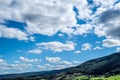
{"x": 104, "y": 68}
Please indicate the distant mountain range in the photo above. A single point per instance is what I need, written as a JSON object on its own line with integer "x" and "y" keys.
{"x": 108, "y": 65}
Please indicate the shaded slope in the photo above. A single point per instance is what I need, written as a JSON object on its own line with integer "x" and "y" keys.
{"x": 108, "y": 64}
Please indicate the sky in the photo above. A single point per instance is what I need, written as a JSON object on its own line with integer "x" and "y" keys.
{"x": 42, "y": 35}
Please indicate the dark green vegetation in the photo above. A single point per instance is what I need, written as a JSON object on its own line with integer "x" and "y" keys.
{"x": 96, "y": 69}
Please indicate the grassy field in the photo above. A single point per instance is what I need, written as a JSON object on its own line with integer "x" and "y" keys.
{"x": 117, "y": 77}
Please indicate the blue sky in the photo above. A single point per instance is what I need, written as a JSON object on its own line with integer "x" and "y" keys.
{"x": 55, "y": 34}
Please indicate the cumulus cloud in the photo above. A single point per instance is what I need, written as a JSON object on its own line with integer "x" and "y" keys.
{"x": 111, "y": 42}
{"x": 86, "y": 46}
{"x": 65, "y": 63}
{"x": 77, "y": 51}
{"x": 97, "y": 48}
{"x": 20, "y": 66}
{"x": 104, "y": 3}
{"x": 28, "y": 60}
{"x": 53, "y": 59}
{"x": 2, "y": 61}
{"x": 12, "y": 33}
{"x": 13, "y": 66}
{"x": 35, "y": 51}
{"x": 83, "y": 29}
{"x": 57, "y": 46}
{"x": 77, "y": 62}
{"x": 117, "y": 49}
{"x": 111, "y": 21}
{"x": 47, "y": 17}
{"x": 40, "y": 67}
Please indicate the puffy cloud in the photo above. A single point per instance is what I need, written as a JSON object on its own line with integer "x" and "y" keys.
{"x": 53, "y": 59}
{"x": 111, "y": 21}
{"x": 20, "y": 66}
{"x": 60, "y": 67}
{"x": 29, "y": 60}
{"x": 47, "y": 17}
{"x": 77, "y": 51}
{"x": 60, "y": 35}
{"x": 97, "y": 48}
{"x": 40, "y": 67}
{"x": 2, "y": 61}
{"x": 57, "y": 46}
{"x": 19, "y": 51}
{"x": 104, "y": 3}
{"x": 99, "y": 31}
{"x": 77, "y": 62}
{"x": 97, "y": 42}
{"x": 111, "y": 42}
{"x": 65, "y": 63}
{"x": 35, "y": 51}
{"x": 86, "y": 46}
{"x": 14, "y": 66}
{"x": 117, "y": 49}
{"x": 12, "y": 33}
{"x": 83, "y": 29}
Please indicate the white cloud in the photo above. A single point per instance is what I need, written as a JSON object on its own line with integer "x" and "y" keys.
{"x": 117, "y": 49}
{"x": 35, "y": 51}
{"x": 77, "y": 62}
{"x": 60, "y": 67}
{"x": 99, "y": 31}
{"x": 97, "y": 48}
{"x": 49, "y": 66}
{"x": 65, "y": 63}
{"x": 40, "y": 67}
{"x": 86, "y": 46}
{"x": 14, "y": 66}
{"x": 53, "y": 59}
{"x": 47, "y": 17}
{"x": 111, "y": 42}
{"x": 104, "y": 3}
{"x": 12, "y": 33}
{"x": 20, "y": 66}
{"x": 83, "y": 29}
{"x": 60, "y": 35}
{"x": 19, "y": 51}
{"x": 28, "y": 60}
{"x": 2, "y": 61}
{"x": 98, "y": 42}
{"x": 77, "y": 51}
{"x": 57, "y": 46}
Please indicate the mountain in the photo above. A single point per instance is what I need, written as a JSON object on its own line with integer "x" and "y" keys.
{"x": 108, "y": 65}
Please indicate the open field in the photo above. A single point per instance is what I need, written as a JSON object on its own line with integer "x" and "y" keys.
{"x": 117, "y": 77}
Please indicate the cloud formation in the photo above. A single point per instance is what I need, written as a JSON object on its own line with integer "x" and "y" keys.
{"x": 28, "y": 60}
{"x": 86, "y": 46}
{"x": 111, "y": 42}
{"x": 12, "y": 33}
{"x": 53, "y": 59}
{"x": 57, "y": 46}
{"x": 35, "y": 51}
{"x": 111, "y": 21}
